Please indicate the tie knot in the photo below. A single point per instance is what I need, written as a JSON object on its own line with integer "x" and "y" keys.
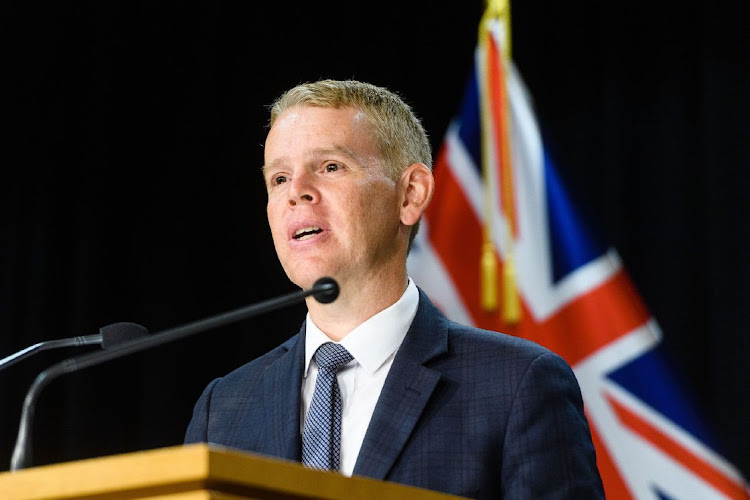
{"x": 330, "y": 356}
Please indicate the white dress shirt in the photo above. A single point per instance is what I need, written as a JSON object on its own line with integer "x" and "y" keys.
{"x": 373, "y": 345}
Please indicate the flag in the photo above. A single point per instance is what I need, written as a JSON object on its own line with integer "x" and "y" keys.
{"x": 503, "y": 247}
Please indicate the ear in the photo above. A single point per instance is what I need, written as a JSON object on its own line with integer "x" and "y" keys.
{"x": 417, "y": 187}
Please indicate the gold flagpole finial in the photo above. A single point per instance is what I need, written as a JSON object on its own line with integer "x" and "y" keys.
{"x": 499, "y": 9}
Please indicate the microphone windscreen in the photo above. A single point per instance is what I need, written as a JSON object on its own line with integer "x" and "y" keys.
{"x": 329, "y": 290}
{"x": 119, "y": 333}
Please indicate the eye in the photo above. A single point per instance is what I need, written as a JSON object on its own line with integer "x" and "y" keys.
{"x": 279, "y": 179}
{"x": 332, "y": 167}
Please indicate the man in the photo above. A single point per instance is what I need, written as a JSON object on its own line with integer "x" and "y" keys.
{"x": 414, "y": 398}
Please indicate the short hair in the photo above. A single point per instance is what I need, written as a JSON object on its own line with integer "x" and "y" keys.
{"x": 399, "y": 134}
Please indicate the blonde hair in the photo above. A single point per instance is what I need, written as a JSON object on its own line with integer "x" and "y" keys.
{"x": 399, "y": 134}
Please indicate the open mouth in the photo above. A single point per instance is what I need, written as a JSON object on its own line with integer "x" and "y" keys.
{"x": 306, "y": 232}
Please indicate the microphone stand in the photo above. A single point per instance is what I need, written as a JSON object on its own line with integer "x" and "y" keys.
{"x": 325, "y": 290}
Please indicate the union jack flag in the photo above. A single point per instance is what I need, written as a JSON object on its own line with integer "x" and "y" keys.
{"x": 503, "y": 247}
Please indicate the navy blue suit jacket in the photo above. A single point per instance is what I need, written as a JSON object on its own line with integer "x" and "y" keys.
{"x": 463, "y": 411}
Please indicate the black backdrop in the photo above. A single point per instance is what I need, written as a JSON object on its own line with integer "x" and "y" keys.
{"x": 131, "y": 190}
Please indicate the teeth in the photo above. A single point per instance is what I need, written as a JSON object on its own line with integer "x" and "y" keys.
{"x": 306, "y": 232}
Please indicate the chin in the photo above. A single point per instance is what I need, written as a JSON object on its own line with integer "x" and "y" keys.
{"x": 304, "y": 280}
{"x": 306, "y": 273}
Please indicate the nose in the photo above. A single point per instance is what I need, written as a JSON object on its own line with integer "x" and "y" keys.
{"x": 302, "y": 190}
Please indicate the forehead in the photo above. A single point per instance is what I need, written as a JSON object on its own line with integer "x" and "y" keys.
{"x": 312, "y": 111}
{"x": 302, "y": 130}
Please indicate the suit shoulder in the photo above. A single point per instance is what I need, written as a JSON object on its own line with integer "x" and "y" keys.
{"x": 472, "y": 338}
{"x": 483, "y": 357}
{"x": 504, "y": 352}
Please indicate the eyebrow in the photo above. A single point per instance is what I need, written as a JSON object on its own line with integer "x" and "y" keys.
{"x": 316, "y": 153}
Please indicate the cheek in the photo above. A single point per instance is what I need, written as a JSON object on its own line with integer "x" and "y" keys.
{"x": 376, "y": 214}
{"x": 274, "y": 221}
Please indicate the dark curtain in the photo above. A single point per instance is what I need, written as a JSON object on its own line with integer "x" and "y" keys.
{"x": 131, "y": 188}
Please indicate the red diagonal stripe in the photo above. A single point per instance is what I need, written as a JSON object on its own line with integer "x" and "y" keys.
{"x": 591, "y": 321}
{"x": 672, "y": 448}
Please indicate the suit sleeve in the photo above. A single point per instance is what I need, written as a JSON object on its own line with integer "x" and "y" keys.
{"x": 548, "y": 450}
{"x": 197, "y": 431}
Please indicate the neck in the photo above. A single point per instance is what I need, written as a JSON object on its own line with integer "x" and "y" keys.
{"x": 357, "y": 302}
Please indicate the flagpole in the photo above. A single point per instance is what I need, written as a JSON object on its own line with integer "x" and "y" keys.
{"x": 497, "y": 174}
{"x": 488, "y": 266}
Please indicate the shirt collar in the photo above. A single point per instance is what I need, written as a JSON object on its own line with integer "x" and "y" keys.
{"x": 373, "y": 341}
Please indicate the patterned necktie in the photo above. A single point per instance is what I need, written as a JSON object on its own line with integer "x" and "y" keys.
{"x": 321, "y": 437}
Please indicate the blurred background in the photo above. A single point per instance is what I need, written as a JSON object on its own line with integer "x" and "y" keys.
{"x": 131, "y": 188}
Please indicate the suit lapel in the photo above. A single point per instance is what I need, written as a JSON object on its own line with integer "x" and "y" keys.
{"x": 406, "y": 392}
{"x": 282, "y": 397}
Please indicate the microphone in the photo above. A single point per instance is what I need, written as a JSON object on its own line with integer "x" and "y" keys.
{"x": 119, "y": 333}
{"x": 108, "y": 336}
{"x": 325, "y": 291}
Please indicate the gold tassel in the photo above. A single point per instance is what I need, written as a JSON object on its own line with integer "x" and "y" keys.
{"x": 511, "y": 304}
{"x": 488, "y": 277}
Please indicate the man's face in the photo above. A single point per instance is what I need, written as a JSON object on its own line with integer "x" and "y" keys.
{"x": 332, "y": 210}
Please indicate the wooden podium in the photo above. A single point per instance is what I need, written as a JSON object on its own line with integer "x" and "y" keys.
{"x": 194, "y": 472}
